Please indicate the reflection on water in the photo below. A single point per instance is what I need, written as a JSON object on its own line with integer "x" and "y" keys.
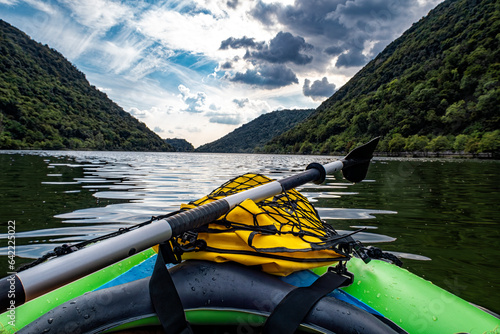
{"x": 146, "y": 185}
{"x": 420, "y": 209}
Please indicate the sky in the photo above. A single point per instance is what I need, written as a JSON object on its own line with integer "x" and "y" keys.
{"x": 198, "y": 69}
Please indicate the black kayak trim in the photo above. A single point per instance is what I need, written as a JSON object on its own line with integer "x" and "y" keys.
{"x": 203, "y": 285}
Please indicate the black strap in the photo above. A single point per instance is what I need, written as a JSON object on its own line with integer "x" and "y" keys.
{"x": 292, "y": 310}
{"x": 164, "y": 296}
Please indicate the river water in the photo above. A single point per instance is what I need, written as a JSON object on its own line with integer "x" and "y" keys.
{"x": 441, "y": 216}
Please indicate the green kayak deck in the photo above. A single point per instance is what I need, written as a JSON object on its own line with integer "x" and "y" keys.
{"x": 414, "y": 304}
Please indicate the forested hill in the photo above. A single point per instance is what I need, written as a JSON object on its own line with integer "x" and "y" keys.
{"x": 46, "y": 103}
{"x": 437, "y": 87}
{"x": 180, "y": 145}
{"x": 256, "y": 133}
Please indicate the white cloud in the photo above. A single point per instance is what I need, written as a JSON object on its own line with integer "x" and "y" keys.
{"x": 8, "y": 2}
{"x": 195, "y": 102}
{"x": 100, "y": 15}
{"x": 199, "y": 32}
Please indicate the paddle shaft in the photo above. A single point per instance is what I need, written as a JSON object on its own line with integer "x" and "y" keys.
{"x": 52, "y": 274}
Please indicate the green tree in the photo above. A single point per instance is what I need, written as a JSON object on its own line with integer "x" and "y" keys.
{"x": 438, "y": 144}
{"x": 416, "y": 143}
{"x": 490, "y": 142}
{"x": 460, "y": 142}
{"x": 397, "y": 143}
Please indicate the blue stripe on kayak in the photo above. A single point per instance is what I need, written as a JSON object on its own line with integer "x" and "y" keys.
{"x": 307, "y": 277}
{"x": 139, "y": 271}
{"x": 299, "y": 279}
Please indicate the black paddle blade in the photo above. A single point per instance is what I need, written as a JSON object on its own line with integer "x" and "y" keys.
{"x": 356, "y": 163}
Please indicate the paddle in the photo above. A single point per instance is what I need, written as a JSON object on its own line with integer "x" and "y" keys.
{"x": 33, "y": 282}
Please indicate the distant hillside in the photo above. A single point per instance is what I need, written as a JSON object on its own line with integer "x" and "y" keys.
{"x": 180, "y": 145}
{"x": 46, "y": 103}
{"x": 256, "y": 133}
{"x": 435, "y": 88}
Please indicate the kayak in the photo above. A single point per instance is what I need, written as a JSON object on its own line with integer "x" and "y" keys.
{"x": 251, "y": 256}
{"x": 381, "y": 289}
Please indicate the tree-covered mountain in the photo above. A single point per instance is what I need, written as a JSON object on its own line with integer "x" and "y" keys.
{"x": 435, "y": 88}
{"x": 249, "y": 137}
{"x": 180, "y": 145}
{"x": 46, "y": 103}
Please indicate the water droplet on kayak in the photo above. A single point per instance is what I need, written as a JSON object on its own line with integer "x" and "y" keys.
{"x": 50, "y": 320}
{"x": 378, "y": 295}
{"x": 434, "y": 318}
{"x": 359, "y": 282}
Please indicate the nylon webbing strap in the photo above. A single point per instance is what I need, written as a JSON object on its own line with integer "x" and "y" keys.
{"x": 292, "y": 310}
{"x": 164, "y": 296}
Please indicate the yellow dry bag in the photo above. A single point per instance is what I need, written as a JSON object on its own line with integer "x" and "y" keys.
{"x": 281, "y": 234}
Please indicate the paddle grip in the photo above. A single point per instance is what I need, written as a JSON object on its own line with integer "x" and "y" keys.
{"x": 198, "y": 216}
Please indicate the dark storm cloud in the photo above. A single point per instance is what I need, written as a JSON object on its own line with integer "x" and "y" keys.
{"x": 319, "y": 89}
{"x": 334, "y": 50}
{"x": 305, "y": 17}
{"x": 269, "y": 59}
{"x": 227, "y": 65}
{"x": 267, "y": 76}
{"x": 351, "y": 59}
{"x": 314, "y": 32}
{"x": 347, "y": 25}
{"x": 265, "y": 13}
{"x": 236, "y": 43}
{"x": 232, "y": 3}
{"x": 283, "y": 48}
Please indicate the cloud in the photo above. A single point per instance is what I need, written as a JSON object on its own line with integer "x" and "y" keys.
{"x": 356, "y": 27}
{"x": 241, "y": 102}
{"x": 8, "y": 2}
{"x": 265, "y": 13}
{"x": 225, "y": 119}
{"x": 232, "y": 4}
{"x": 282, "y": 49}
{"x": 334, "y": 50}
{"x": 264, "y": 62}
{"x": 158, "y": 129}
{"x": 267, "y": 76}
{"x": 319, "y": 89}
{"x": 236, "y": 43}
{"x": 137, "y": 113}
{"x": 195, "y": 102}
{"x": 101, "y": 15}
{"x": 352, "y": 58}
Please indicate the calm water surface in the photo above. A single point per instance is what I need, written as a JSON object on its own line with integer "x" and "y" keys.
{"x": 441, "y": 216}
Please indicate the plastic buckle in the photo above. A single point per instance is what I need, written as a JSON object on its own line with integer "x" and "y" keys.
{"x": 341, "y": 270}
{"x": 189, "y": 237}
